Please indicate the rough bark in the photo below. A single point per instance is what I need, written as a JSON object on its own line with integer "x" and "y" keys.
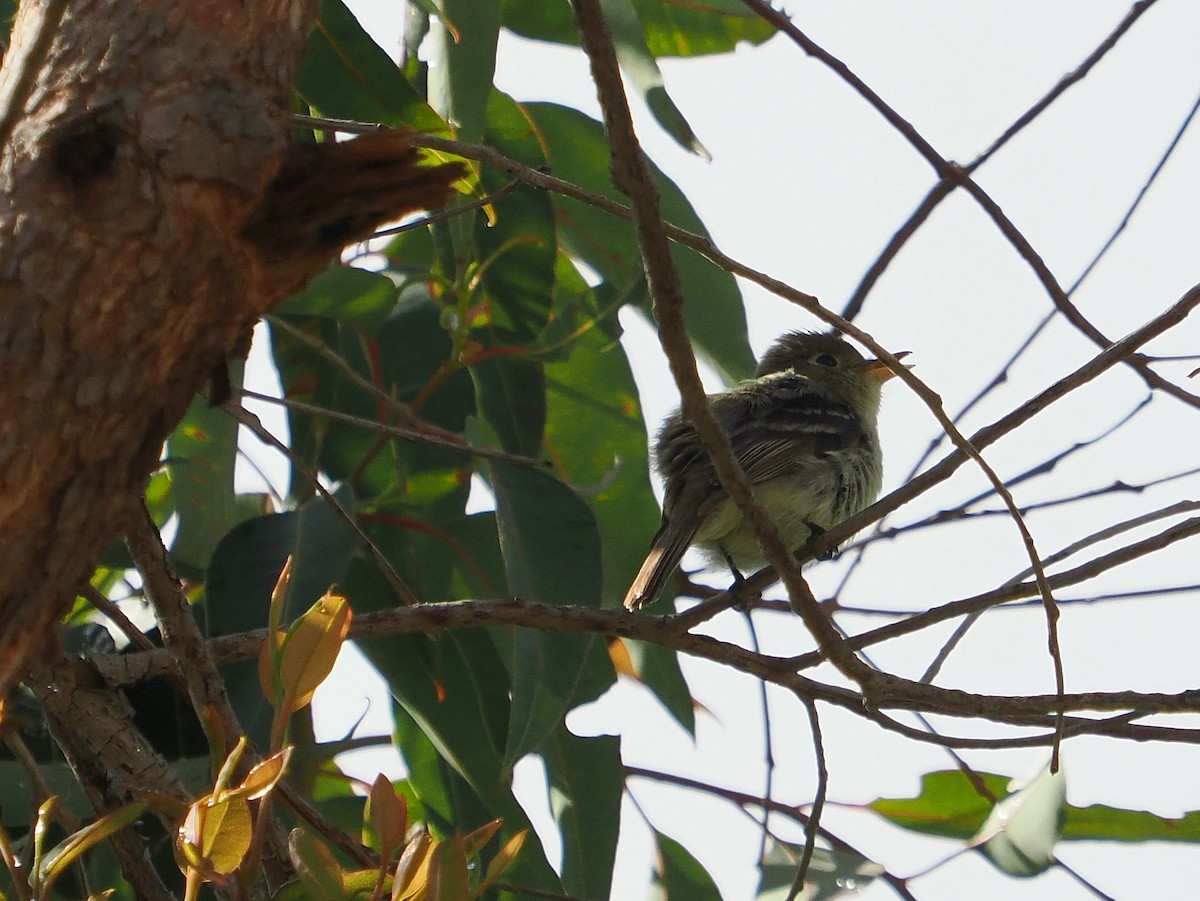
{"x": 152, "y": 207}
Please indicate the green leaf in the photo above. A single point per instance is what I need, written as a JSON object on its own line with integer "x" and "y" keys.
{"x": 345, "y": 293}
{"x": 74, "y": 846}
{"x": 345, "y": 75}
{"x": 8, "y": 12}
{"x": 460, "y": 86}
{"x": 242, "y": 574}
{"x": 551, "y": 674}
{"x": 831, "y": 874}
{"x": 518, "y": 244}
{"x": 947, "y": 805}
{"x": 392, "y": 478}
{"x": 596, "y": 430}
{"x": 551, "y": 550}
{"x": 311, "y": 648}
{"x": 429, "y": 777}
{"x": 333, "y": 793}
{"x": 672, "y": 29}
{"x": 312, "y": 377}
{"x": 658, "y": 668}
{"x": 17, "y": 794}
{"x": 577, "y": 150}
{"x": 1020, "y": 833}
{"x": 548, "y": 536}
{"x": 248, "y": 561}
{"x": 455, "y": 689}
{"x": 413, "y": 346}
{"x": 586, "y": 782}
{"x": 315, "y": 865}
{"x": 639, "y": 64}
{"x": 1098, "y": 822}
{"x": 200, "y": 455}
{"x": 477, "y": 558}
{"x": 680, "y": 875}
{"x": 687, "y": 29}
{"x": 511, "y": 394}
{"x": 216, "y": 833}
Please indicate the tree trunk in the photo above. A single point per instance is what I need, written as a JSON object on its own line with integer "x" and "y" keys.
{"x": 152, "y": 207}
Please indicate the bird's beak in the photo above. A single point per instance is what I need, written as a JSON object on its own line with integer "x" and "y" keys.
{"x": 877, "y": 370}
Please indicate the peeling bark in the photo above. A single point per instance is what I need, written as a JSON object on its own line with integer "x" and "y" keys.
{"x": 152, "y": 207}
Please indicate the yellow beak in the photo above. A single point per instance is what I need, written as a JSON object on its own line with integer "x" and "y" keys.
{"x": 877, "y": 370}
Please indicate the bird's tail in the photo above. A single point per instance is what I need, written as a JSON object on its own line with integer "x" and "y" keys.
{"x": 666, "y": 550}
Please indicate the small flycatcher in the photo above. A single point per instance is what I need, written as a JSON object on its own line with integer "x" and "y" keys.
{"x": 803, "y": 430}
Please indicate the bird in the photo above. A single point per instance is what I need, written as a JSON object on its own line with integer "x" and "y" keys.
{"x": 803, "y": 429}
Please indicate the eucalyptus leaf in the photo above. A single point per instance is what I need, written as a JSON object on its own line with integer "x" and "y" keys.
{"x": 679, "y": 875}
{"x": 1020, "y": 833}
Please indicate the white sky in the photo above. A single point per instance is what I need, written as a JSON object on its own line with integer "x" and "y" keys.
{"x": 808, "y": 183}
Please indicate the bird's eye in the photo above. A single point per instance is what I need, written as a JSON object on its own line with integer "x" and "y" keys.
{"x": 827, "y": 360}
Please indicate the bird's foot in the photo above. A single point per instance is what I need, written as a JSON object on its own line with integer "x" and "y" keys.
{"x": 739, "y": 581}
{"x": 815, "y": 532}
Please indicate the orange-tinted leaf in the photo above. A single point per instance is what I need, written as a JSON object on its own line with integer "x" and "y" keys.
{"x": 228, "y": 768}
{"x": 618, "y": 653}
{"x": 263, "y": 777}
{"x": 311, "y": 647}
{"x": 215, "y": 835}
{"x": 412, "y": 870}
{"x": 474, "y": 841}
{"x": 164, "y": 804}
{"x": 187, "y": 838}
{"x": 70, "y": 849}
{"x": 387, "y": 815}
{"x": 46, "y": 811}
{"x": 502, "y": 860}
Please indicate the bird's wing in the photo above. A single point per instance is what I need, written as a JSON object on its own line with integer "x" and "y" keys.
{"x": 786, "y": 426}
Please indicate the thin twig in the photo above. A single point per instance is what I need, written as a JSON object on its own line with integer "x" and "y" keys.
{"x": 417, "y": 437}
{"x": 117, "y": 617}
{"x": 356, "y": 851}
{"x": 764, "y": 702}
{"x": 1071, "y": 78}
{"x": 448, "y": 213}
{"x": 818, "y": 806}
{"x": 401, "y": 589}
{"x": 181, "y": 636}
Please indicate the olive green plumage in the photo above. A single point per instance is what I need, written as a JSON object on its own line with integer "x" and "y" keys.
{"x": 803, "y": 430}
